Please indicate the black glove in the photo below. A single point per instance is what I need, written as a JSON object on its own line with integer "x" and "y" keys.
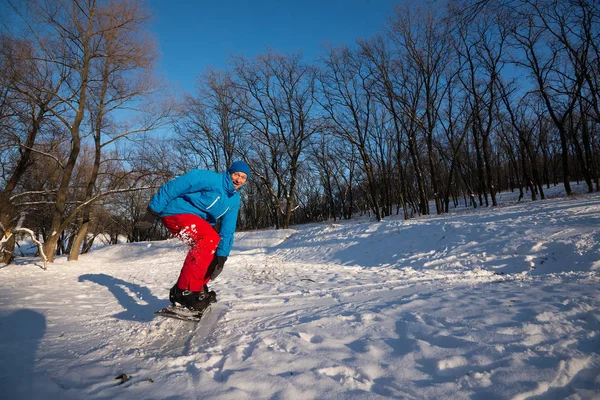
{"x": 216, "y": 267}
{"x": 147, "y": 220}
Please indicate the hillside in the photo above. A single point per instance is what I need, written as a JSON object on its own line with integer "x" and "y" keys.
{"x": 487, "y": 303}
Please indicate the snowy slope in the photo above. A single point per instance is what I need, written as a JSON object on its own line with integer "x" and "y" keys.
{"x": 492, "y": 303}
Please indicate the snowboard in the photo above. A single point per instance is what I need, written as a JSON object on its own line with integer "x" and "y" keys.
{"x": 213, "y": 311}
{"x": 182, "y": 313}
{"x": 187, "y": 331}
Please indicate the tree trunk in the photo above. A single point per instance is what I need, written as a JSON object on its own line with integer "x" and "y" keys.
{"x": 58, "y": 225}
{"x": 433, "y": 173}
{"x": 480, "y": 169}
{"x": 488, "y": 170}
{"x": 8, "y": 212}
{"x": 412, "y": 148}
{"x": 79, "y": 238}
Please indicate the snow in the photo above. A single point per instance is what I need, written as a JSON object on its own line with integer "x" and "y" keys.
{"x": 486, "y": 303}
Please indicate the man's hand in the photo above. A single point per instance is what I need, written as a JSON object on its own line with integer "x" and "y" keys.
{"x": 219, "y": 262}
{"x": 147, "y": 220}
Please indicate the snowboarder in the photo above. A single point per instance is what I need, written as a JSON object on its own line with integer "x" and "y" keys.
{"x": 189, "y": 206}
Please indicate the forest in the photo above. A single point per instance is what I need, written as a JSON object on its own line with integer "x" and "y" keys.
{"x": 450, "y": 104}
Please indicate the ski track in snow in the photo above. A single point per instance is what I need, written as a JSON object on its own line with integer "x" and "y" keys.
{"x": 496, "y": 303}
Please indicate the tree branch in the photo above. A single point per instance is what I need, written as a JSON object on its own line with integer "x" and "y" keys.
{"x": 44, "y": 154}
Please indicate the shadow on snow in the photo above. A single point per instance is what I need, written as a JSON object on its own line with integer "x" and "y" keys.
{"x": 20, "y": 335}
{"x": 139, "y": 303}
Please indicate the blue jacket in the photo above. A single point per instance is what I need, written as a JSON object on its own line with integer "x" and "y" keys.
{"x": 208, "y": 194}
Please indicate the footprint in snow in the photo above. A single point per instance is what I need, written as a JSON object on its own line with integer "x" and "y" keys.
{"x": 308, "y": 337}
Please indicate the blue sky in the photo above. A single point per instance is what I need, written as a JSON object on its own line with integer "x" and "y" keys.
{"x": 196, "y": 34}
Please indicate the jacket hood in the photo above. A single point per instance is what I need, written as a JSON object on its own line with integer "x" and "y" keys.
{"x": 228, "y": 185}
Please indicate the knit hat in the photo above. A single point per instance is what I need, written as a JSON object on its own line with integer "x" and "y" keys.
{"x": 239, "y": 166}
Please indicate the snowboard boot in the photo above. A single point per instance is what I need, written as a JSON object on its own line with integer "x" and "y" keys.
{"x": 197, "y": 301}
{"x": 172, "y": 292}
{"x": 212, "y": 295}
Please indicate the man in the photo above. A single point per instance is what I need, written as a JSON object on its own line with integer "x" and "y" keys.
{"x": 189, "y": 206}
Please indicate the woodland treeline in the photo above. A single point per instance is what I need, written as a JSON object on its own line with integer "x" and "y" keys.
{"x": 449, "y": 104}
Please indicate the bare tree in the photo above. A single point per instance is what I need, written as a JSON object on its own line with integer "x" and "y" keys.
{"x": 481, "y": 47}
{"x": 556, "y": 83}
{"x": 277, "y": 107}
{"x": 24, "y": 109}
{"x": 346, "y": 95}
{"x": 93, "y": 51}
{"x": 390, "y": 87}
{"x": 122, "y": 78}
{"x": 522, "y": 123}
{"x": 423, "y": 37}
{"x": 67, "y": 41}
{"x": 456, "y": 122}
{"x": 210, "y": 124}
{"x": 573, "y": 30}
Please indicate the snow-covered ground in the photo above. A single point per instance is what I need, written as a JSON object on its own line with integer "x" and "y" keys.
{"x": 487, "y": 303}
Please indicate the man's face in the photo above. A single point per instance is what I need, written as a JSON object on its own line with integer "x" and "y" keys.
{"x": 238, "y": 178}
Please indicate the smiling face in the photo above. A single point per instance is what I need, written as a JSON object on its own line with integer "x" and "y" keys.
{"x": 238, "y": 178}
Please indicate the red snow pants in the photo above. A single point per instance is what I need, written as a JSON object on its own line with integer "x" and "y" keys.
{"x": 203, "y": 239}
